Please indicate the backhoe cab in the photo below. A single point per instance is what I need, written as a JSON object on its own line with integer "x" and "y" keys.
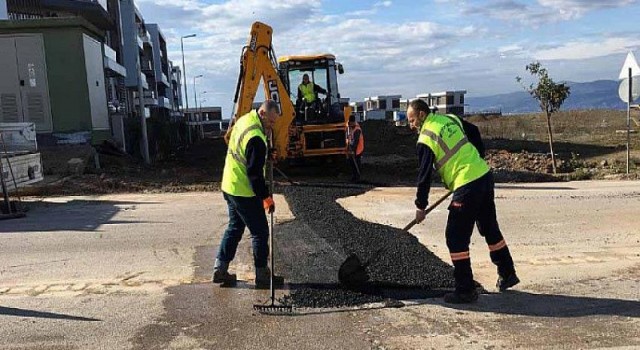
{"x": 319, "y": 127}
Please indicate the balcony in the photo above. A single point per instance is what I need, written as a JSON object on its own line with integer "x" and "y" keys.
{"x": 148, "y": 101}
{"x": 146, "y": 39}
{"x": 111, "y": 63}
{"x": 143, "y": 79}
{"x": 140, "y": 43}
{"x": 146, "y": 65}
{"x": 164, "y": 80}
{"x": 164, "y": 102}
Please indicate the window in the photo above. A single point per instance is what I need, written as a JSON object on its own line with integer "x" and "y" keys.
{"x": 395, "y": 103}
{"x": 461, "y": 99}
{"x": 382, "y": 104}
{"x": 370, "y": 105}
{"x": 449, "y": 99}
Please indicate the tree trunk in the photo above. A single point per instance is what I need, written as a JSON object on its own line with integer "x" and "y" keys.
{"x": 553, "y": 156}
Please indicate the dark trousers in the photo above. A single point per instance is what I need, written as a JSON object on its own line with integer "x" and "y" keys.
{"x": 245, "y": 212}
{"x": 355, "y": 171}
{"x": 472, "y": 204}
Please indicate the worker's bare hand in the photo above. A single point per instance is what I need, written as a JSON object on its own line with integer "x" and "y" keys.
{"x": 420, "y": 215}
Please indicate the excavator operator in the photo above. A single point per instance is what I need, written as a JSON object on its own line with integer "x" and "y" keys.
{"x": 308, "y": 94}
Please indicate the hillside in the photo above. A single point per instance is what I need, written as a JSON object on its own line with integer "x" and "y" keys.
{"x": 600, "y": 94}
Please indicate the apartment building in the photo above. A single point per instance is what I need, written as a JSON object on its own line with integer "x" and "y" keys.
{"x": 357, "y": 109}
{"x": 446, "y": 101}
{"x": 381, "y": 107}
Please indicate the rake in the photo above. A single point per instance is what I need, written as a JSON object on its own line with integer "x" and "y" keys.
{"x": 272, "y": 308}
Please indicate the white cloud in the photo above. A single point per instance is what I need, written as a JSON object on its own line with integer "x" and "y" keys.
{"x": 570, "y": 9}
{"x": 545, "y": 11}
{"x": 578, "y": 50}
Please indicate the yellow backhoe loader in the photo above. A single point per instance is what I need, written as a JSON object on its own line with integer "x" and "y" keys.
{"x": 303, "y": 129}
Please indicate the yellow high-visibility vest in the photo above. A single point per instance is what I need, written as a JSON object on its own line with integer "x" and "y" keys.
{"x": 308, "y": 92}
{"x": 456, "y": 159}
{"x": 235, "y": 179}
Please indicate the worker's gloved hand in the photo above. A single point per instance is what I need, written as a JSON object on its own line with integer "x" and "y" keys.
{"x": 420, "y": 215}
{"x": 269, "y": 205}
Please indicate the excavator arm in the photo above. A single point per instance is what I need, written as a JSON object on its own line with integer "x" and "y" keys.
{"x": 258, "y": 63}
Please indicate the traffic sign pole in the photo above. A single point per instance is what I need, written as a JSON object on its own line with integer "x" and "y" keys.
{"x": 629, "y": 118}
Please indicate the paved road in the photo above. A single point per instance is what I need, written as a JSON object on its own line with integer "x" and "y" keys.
{"x": 131, "y": 271}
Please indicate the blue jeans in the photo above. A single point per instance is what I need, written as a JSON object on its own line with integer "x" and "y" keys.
{"x": 245, "y": 212}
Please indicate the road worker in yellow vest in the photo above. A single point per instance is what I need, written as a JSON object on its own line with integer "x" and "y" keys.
{"x": 445, "y": 145}
{"x": 308, "y": 91}
{"x": 246, "y": 193}
{"x": 307, "y": 101}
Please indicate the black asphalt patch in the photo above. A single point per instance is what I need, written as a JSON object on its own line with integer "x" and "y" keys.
{"x": 310, "y": 249}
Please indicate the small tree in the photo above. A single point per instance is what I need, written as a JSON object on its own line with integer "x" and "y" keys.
{"x": 550, "y": 96}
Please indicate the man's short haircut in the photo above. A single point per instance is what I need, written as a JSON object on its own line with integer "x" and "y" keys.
{"x": 270, "y": 106}
{"x": 305, "y": 75}
{"x": 419, "y": 105}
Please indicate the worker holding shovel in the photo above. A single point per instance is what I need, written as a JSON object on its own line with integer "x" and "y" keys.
{"x": 444, "y": 145}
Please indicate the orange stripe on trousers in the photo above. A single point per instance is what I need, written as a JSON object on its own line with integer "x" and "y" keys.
{"x": 460, "y": 256}
{"x": 497, "y": 246}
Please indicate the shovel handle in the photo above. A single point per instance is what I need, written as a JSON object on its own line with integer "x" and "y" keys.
{"x": 428, "y": 210}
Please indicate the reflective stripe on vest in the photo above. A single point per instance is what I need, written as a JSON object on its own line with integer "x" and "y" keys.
{"x": 307, "y": 92}
{"x": 360, "y": 145}
{"x": 235, "y": 179}
{"x": 456, "y": 159}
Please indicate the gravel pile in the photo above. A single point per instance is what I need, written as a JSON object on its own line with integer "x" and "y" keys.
{"x": 312, "y": 247}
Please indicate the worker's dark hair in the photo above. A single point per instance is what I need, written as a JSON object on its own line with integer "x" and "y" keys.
{"x": 352, "y": 118}
{"x": 270, "y": 105}
{"x": 420, "y": 106}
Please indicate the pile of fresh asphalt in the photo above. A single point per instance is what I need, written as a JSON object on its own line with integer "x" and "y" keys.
{"x": 310, "y": 249}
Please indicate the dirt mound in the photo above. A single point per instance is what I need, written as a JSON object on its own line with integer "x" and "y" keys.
{"x": 521, "y": 161}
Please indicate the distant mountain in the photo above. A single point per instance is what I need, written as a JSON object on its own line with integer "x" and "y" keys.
{"x": 599, "y": 94}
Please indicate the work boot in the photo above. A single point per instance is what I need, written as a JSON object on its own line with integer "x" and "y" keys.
{"x": 223, "y": 277}
{"x": 507, "y": 282}
{"x": 461, "y": 297}
{"x": 263, "y": 278}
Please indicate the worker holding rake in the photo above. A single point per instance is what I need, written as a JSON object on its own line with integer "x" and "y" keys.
{"x": 445, "y": 145}
{"x": 246, "y": 193}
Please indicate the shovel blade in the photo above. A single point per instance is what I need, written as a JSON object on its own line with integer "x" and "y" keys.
{"x": 353, "y": 272}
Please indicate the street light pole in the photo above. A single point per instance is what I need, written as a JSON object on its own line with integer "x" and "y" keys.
{"x": 202, "y": 116}
{"x": 184, "y": 81}
{"x": 195, "y": 96}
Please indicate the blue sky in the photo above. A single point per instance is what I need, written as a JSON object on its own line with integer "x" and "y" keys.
{"x": 406, "y": 47}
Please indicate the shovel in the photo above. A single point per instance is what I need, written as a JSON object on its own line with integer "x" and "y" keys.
{"x": 353, "y": 272}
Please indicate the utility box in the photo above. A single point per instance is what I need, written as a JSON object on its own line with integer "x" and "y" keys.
{"x": 53, "y": 76}
{"x": 24, "y": 91}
